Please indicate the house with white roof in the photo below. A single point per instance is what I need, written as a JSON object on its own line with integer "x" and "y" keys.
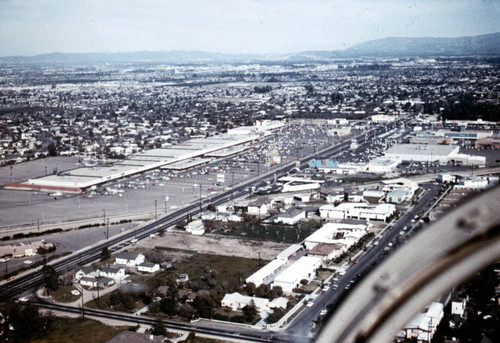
{"x": 148, "y": 267}
{"x": 129, "y": 259}
{"x": 291, "y": 216}
{"x": 115, "y": 273}
{"x": 261, "y": 206}
{"x": 86, "y": 272}
{"x": 237, "y": 301}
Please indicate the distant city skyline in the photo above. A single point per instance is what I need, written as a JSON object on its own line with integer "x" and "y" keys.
{"x": 231, "y": 26}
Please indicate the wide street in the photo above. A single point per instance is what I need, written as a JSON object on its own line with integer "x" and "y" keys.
{"x": 302, "y": 324}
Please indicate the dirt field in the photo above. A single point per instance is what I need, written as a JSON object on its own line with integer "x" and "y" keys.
{"x": 216, "y": 245}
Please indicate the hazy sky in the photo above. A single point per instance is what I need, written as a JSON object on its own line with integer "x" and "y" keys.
{"x": 30, "y": 27}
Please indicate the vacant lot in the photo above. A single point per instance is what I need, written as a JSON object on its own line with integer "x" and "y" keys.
{"x": 230, "y": 272}
{"x": 77, "y": 330}
{"x": 217, "y": 245}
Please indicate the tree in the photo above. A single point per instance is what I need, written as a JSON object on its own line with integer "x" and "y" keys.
{"x": 250, "y": 311}
{"x": 170, "y": 303}
{"x": 159, "y": 329}
{"x": 50, "y": 278}
{"x": 191, "y": 338}
{"x": 52, "y": 149}
{"x": 262, "y": 291}
{"x": 250, "y": 288}
{"x": 276, "y": 315}
{"x": 105, "y": 253}
{"x": 204, "y": 304}
{"x": 25, "y": 320}
{"x": 276, "y": 292}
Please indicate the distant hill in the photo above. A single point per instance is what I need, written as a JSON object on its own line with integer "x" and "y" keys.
{"x": 126, "y": 57}
{"x": 483, "y": 45}
{"x": 401, "y": 46}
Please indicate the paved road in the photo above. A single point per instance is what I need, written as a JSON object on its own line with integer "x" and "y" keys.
{"x": 302, "y": 324}
{"x": 438, "y": 258}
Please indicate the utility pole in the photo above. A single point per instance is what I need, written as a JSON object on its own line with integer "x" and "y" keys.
{"x": 107, "y": 230}
{"x": 232, "y": 188}
{"x": 38, "y": 224}
{"x": 104, "y": 214}
{"x": 83, "y": 305}
{"x": 200, "y": 198}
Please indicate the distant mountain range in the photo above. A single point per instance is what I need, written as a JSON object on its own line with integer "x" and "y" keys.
{"x": 482, "y": 45}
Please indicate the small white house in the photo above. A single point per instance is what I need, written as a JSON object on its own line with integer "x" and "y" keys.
{"x": 148, "y": 267}
{"x": 115, "y": 273}
{"x": 292, "y": 216}
{"x": 196, "y": 227}
{"x": 260, "y": 206}
{"x": 88, "y": 281}
{"x": 86, "y": 272}
{"x": 237, "y": 301}
{"x": 458, "y": 306}
{"x": 129, "y": 259}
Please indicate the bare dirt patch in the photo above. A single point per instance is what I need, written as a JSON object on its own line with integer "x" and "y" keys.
{"x": 216, "y": 245}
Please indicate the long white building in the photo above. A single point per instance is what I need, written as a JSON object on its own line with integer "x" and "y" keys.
{"x": 347, "y": 210}
{"x": 265, "y": 273}
{"x": 85, "y": 177}
{"x": 304, "y": 269}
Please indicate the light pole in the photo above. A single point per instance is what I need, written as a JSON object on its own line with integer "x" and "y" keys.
{"x": 156, "y": 207}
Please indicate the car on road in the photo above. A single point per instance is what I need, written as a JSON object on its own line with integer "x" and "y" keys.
{"x": 28, "y": 262}
{"x": 347, "y": 286}
{"x": 325, "y": 288}
{"x": 335, "y": 287}
{"x": 323, "y": 312}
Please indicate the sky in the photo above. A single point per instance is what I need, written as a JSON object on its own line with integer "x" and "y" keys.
{"x": 31, "y": 27}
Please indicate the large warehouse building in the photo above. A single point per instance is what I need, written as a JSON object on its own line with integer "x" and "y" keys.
{"x": 423, "y": 152}
{"x": 83, "y": 178}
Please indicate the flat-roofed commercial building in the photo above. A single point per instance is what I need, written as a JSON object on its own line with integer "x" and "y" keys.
{"x": 423, "y": 152}
{"x": 304, "y": 269}
{"x": 349, "y": 210}
{"x": 85, "y": 177}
